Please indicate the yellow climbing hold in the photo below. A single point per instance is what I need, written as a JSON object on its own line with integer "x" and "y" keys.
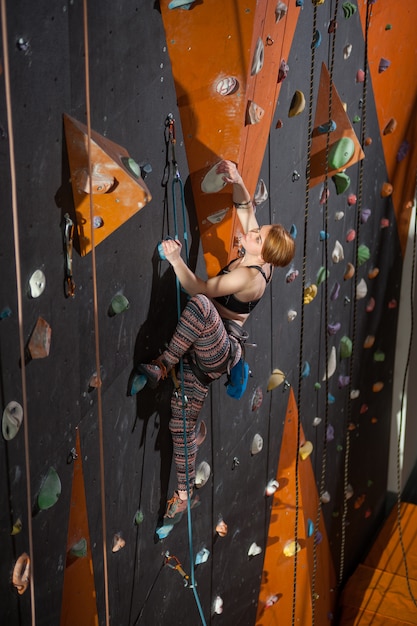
{"x": 291, "y": 547}
{"x": 275, "y": 380}
{"x": 310, "y": 293}
{"x": 305, "y": 450}
{"x": 298, "y": 104}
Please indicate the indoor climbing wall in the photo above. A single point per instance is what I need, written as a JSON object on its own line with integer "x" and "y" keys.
{"x": 294, "y": 474}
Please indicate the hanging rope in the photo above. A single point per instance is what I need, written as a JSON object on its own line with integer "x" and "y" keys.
{"x": 96, "y": 324}
{"x": 301, "y": 349}
{"x": 19, "y": 289}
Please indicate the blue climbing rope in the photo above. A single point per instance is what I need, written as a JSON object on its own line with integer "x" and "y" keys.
{"x": 170, "y": 122}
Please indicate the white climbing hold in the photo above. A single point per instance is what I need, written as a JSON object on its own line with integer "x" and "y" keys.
{"x": 218, "y": 605}
{"x": 361, "y": 289}
{"x": 347, "y": 50}
{"x": 316, "y": 421}
{"x": 339, "y": 215}
{"x": 277, "y": 378}
{"x": 280, "y": 11}
{"x": 261, "y": 193}
{"x": 337, "y": 254}
{"x": 202, "y": 556}
{"x": 212, "y": 181}
{"x": 271, "y": 487}
{"x": 202, "y": 474}
{"x": 258, "y": 58}
{"x": 37, "y": 284}
{"x": 325, "y": 497}
{"x": 257, "y": 444}
{"x": 331, "y": 364}
{"x": 355, "y": 393}
{"x": 254, "y": 549}
{"x": 291, "y": 315}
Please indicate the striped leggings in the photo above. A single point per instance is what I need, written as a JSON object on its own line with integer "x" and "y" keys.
{"x": 201, "y": 331}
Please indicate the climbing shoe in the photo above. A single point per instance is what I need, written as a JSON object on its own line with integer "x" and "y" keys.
{"x": 154, "y": 372}
{"x": 176, "y": 507}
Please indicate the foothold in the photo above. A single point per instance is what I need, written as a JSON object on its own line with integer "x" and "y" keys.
{"x": 275, "y": 380}
{"x": 221, "y": 528}
{"x": 341, "y": 182}
{"x": 341, "y": 153}
{"x": 291, "y": 315}
{"x": 332, "y": 26}
{"x": 325, "y": 497}
{"x": 365, "y": 215}
{"x": 310, "y": 293}
{"x": 217, "y": 217}
{"x": 254, "y": 550}
{"x": 261, "y": 193}
{"x": 339, "y": 215}
{"x": 392, "y": 304}
{"x": 118, "y": 304}
{"x": 334, "y": 294}
{"x": 384, "y": 223}
{"x": 345, "y": 347}
{"x": 379, "y": 356}
{"x": 291, "y": 547}
{"x": 305, "y": 450}
{"x": 351, "y": 199}
{"x": 293, "y": 231}
{"x": 316, "y": 421}
{"x": 12, "y": 420}
{"x": 257, "y": 398}
{"x": 388, "y": 26}
{"x": 316, "y": 39}
{"x": 328, "y": 127}
{"x": 271, "y": 487}
{"x": 202, "y": 474}
{"x": 258, "y": 57}
{"x": 50, "y": 490}
{"x": 403, "y": 151}
{"x": 163, "y": 531}
{"x": 21, "y": 573}
{"x": 118, "y": 542}
{"x": 218, "y": 605}
{"x": 343, "y": 381}
{"x": 338, "y": 253}
{"x": 280, "y": 11}
{"x": 227, "y": 86}
{"x": 291, "y": 275}
{"x": 322, "y": 275}
{"x": 349, "y": 9}
{"x": 279, "y": 124}
{"x": 373, "y": 273}
{"x": 139, "y": 517}
{"x": 297, "y": 105}
{"x": 79, "y": 549}
{"x": 37, "y": 284}
{"x": 254, "y": 113}
{"x": 368, "y": 141}
{"x": 305, "y": 373}
{"x": 332, "y": 329}
{"x": 98, "y": 221}
{"x": 363, "y": 255}
{"x": 317, "y": 387}
{"x": 351, "y": 235}
{"x": 323, "y": 235}
{"x": 360, "y": 76}
{"x": 212, "y": 181}
{"x": 386, "y": 190}
{"x": 355, "y": 393}
{"x": 257, "y": 444}
{"x": 283, "y": 71}
{"x": 331, "y": 365}
{"x": 347, "y": 50}
{"x": 371, "y": 305}
{"x": 40, "y": 340}
{"x": 390, "y": 126}
{"x": 383, "y": 65}
{"x": 350, "y": 271}
{"x": 202, "y": 556}
{"x": 295, "y": 176}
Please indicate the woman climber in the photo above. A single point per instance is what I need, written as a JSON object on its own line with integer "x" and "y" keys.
{"x": 209, "y": 332}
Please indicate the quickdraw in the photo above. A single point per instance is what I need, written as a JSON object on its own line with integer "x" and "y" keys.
{"x": 171, "y": 139}
{"x": 68, "y": 246}
{"x": 174, "y": 563}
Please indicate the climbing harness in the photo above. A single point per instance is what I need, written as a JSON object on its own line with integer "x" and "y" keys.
{"x": 68, "y": 246}
{"x": 172, "y": 562}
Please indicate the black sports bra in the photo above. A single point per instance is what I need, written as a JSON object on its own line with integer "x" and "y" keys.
{"x": 232, "y": 303}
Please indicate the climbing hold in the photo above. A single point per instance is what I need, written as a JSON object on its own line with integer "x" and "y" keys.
{"x": 341, "y": 182}
{"x": 317, "y": 386}
{"x": 392, "y": 304}
{"x": 254, "y": 550}
{"x": 257, "y": 398}
{"x": 332, "y": 26}
{"x": 360, "y": 76}
{"x": 297, "y": 105}
{"x": 275, "y": 380}
{"x": 388, "y": 26}
{"x": 347, "y": 50}
{"x": 136, "y": 383}
{"x": 118, "y": 304}
{"x": 279, "y": 124}
{"x": 118, "y": 542}
{"x": 365, "y": 215}
{"x": 329, "y": 433}
{"x": 306, "y": 370}
{"x": 363, "y": 254}
{"x": 379, "y": 356}
{"x": 356, "y": 119}
{"x": 21, "y": 573}
{"x": 202, "y": 474}
{"x": 202, "y": 556}
{"x": 331, "y": 364}
{"x": 371, "y": 305}
{"x": 324, "y": 195}
{"x": 258, "y": 57}
{"x": 383, "y": 65}
{"x": 343, "y": 381}
{"x": 332, "y": 329}
{"x": 322, "y": 275}
{"x": 291, "y": 275}
{"x": 369, "y": 341}
{"x": 37, "y": 284}
{"x": 201, "y": 433}
{"x": 345, "y": 347}
{"x": 183, "y": 4}
{"x": 295, "y": 176}
{"x": 280, "y": 11}
{"x": 257, "y": 444}
{"x": 355, "y": 393}
{"x": 368, "y": 141}
{"x": 40, "y": 340}
{"x": 351, "y": 235}
{"x": 17, "y": 527}
{"x": 384, "y": 223}
{"x": 390, "y": 126}
{"x": 318, "y": 539}
{"x": 359, "y": 501}
{"x": 299, "y": 3}
{"x": 339, "y": 215}
{"x": 271, "y": 487}
{"x": 139, "y": 517}
{"x": 328, "y": 127}
{"x": 50, "y": 490}
{"x": 261, "y": 193}
{"x": 349, "y": 9}
{"x": 350, "y": 271}
{"x": 293, "y": 231}
{"x": 338, "y": 253}
{"x": 163, "y": 531}
{"x": 94, "y": 382}
{"x": 334, "y": 294}
{"x": 373, "y": 273}
{"x": 361, "y": 289}
{"x": 305, "y": 450}
{"x": 291, "y": 315}
{"x": 310, "y": 527}
{"x": 273, "y": 599}
{"x": 386, "y": 190}
{"x": 221, "y": 528}
{"x": 351, "y": 199}
{"x": 291, "y": 547}
{"x": 323, "y": 235}
{"x": 218, "y": 605}
{"x": 12, "y": 420}
{"x": 364, "y": 408}
{"x": 283, "y": 71}
{"x": 5, "y": 313}
{"x": 316, "y": 421}
{"x": 341, "y": 153}
{"x": 213, "y": 181}
{"x": 310, "y": 293}
{"x": 349, "y": 492}
{"x": 79, "y": 549}
{"x": 227, "y": 85}
{"x": 254, "y": 113}
{"x": 98, "y": 221}
{"x": 325, "y": 497}
{"x": 402, "y": 151}
{"x": 316, "y": 38}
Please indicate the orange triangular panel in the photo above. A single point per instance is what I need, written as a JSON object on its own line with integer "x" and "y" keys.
{"x": 118, "y": 191}
{"x": 275, "y": 602}
{"x": 79, "y": 594}
{"x": 318, "y": 167}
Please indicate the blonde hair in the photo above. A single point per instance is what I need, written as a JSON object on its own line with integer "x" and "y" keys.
{"x": 279, "y": 246}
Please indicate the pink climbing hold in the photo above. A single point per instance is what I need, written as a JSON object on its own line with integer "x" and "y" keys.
{"x": 360, "y": 76}
{"x": 384, "y": 223}
{"x": 371, "y": 305}
{"x": 291, "y": 275}
{"x": 351, "y": 235}
{"x": 351, "y": 200}
{"x": 324, "y": 196}
{"x": 392, "y": 304}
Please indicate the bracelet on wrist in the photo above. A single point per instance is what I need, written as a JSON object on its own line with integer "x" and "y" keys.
{"x": 242, "y": 205}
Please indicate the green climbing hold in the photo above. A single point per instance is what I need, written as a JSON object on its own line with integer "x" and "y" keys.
{"x": 379, "y": 356}
{"x": 139, "y": 517}
{"x": 79, "y": 549}
{"x": 50, "y": 490}
{"x": 341, "y": 152}
{"x": 349, "y": 9}
{"x": 345, "y": 347}
{"x": 356, "y": 119}
{"x": 364, "y": 254}
{"x": 322, "y": 275}
{"x": 341, "y": 181}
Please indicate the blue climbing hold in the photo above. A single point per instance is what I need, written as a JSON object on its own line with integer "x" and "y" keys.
{"x": 293, "y": 231}
{"x": 316, "y": 39}
{"x": 184, "y": 4}
{"x": 329, "y": 127}
{"x": 163, "y": 531}
{"x": 310, "y": 527}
